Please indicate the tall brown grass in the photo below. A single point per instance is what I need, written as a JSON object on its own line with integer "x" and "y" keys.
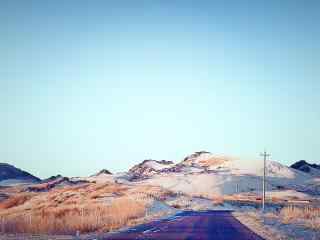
{"x": 93, "y": 207}
{"x": 15, "y": 200}
{"x": 309, "y": 216}
{"x": 68, "y": 219}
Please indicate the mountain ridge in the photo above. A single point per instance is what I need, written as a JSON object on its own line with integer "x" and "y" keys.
{"x": 304, "y": 166}
{"x": 8, "y": 172}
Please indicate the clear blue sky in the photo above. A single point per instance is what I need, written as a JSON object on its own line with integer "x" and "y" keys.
{"x": 86, "y": 85}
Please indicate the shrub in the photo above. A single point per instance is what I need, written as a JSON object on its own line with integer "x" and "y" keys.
{"x": 309, "y": 216}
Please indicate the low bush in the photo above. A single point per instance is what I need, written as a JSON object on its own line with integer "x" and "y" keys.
{"x": 309, "y": 216}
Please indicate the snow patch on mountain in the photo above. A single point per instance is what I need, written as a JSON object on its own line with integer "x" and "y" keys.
{"x": 204, "y": 173}
{"x": 150, "y": 167}
{"x": 207, "y": 183}
{"x": 158, "y": 165}
{"x": 208, "y": 160}
{"x": 276, "y": 169}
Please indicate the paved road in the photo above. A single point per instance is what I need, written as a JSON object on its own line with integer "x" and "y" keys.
{"x": 191, "y": 225}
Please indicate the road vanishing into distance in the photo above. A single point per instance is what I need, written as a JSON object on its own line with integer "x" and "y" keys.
{"x": 191, "y": 225}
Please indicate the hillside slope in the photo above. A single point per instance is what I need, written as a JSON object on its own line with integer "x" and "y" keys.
{"x": 11, "y": 175}
{"x": 204, "y": 173}
{"x": 304, "y": 166}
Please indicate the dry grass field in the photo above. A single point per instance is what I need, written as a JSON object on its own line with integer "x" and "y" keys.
{"x": 308, "y": 216}
{"x": 85, "y": 208}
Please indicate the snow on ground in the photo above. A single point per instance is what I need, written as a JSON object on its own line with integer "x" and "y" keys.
{"x": 197, "y": 203}
{"x": 121, "y": 177}
{"x": 206, "y": 173}
{"x": 101, "y": 178}
{"x": 15, "y": 182}
{"x": 208, "y": 160}
{"x": 157, "y": 165}
{"x": 312, "y": 187}
{"x": 220, "y": 182}
{"x": 203, "y": 177}
{"x": 269, "y": 226}
{"x": 206, "y": 183}
{"x": 287, "y": 174}
{"x": 314, "y": 172}
{"x": 190, "y": 169}
{"x": 159, "y": 207}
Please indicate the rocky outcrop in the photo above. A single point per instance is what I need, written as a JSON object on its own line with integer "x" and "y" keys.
{"x": 195, "y": 155}
{"x": 150, "y": 167}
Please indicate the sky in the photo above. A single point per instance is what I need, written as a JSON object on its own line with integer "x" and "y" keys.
{"x": 87, "y": 85}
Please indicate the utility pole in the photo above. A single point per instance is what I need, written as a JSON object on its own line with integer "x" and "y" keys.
{"x": 265, "y": 155}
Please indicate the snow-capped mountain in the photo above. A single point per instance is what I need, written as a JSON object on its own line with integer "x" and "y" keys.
{"x": 206, "y": 173}
{"x": 150, "y": 167}
{"x": 208, "y": 161}
{"x": 201, "y": 173}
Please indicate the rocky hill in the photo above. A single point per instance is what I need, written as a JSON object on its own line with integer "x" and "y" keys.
{"x": 304, "y": 166}
{"x": 52, "y": 178}
{"x": 54, "y": 182}
{"x": 150, "y": 167}
{"x": 10, "y": 174}
{"x": 102, "y": 172}
{"x": 206, "y": 173}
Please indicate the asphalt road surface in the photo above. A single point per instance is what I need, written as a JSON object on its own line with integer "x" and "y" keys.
{"x": 191, "y": 225}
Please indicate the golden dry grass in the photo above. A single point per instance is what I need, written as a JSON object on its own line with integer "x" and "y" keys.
{"x": 15, "y": 200}
{"x": 218, "y": 200}
{"x": 309, "y": 216}
{"x": 72, "y": 218}
{"x": 214, "y": 161}
{"x": 92, "y": 207}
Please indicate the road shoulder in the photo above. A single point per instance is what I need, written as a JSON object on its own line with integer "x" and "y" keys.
{"x": 254, "y": 222}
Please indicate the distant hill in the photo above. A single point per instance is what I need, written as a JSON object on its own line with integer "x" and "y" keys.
{"x": 57, "y": 181}
{"x": 304, "y": 166}
{"x": 102, "y": 172}
{"x": 203, "y": 172}
{"x": 11, "y": 173}
{"x": 52, "y": 178}
{"x": 150, "y": 167}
